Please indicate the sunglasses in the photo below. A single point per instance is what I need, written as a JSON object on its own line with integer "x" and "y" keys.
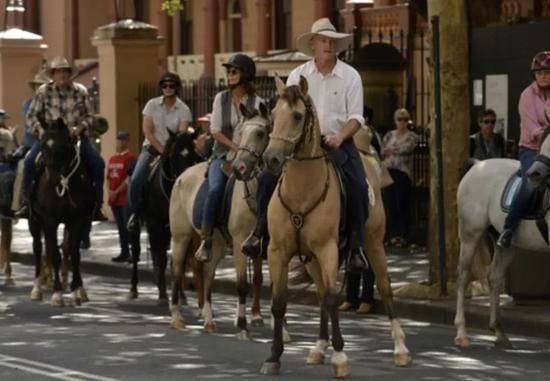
{"x": 402, "y": 119}
{"x": 168, "y": 86}
{"x": 232, "y": 71}
{"x": 489, "y": 121}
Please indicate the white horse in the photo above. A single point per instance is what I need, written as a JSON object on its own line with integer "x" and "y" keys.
{"x": 479, "y": 207}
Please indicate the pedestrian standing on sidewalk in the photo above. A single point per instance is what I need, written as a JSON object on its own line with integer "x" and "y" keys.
{"x": 118, "y": 175}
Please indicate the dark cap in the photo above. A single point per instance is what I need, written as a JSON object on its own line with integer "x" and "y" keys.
{"x": 122, "y": 135}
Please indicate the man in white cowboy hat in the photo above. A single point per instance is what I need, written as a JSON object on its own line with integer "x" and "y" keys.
{"x": 337, "y": 94}
{"x": 63, "y": 98}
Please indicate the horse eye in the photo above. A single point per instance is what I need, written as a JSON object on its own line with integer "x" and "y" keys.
{"x": 297, "y": 116}
{"x": 260, "y": 134}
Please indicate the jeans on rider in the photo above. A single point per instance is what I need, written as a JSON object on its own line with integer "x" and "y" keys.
{"x": 94, "y": 165}
{"x": 521, "y": 201}
{"x": 138, "y": 181}
{"x": 216, "y": 186}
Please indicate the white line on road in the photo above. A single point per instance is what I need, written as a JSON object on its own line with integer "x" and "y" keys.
{"x": 47, "y": 370}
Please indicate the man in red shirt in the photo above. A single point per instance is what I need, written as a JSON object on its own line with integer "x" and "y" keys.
{"x": 118, "y": 174}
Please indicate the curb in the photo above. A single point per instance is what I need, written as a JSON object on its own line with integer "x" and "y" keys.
{"x": 438, "y": 312}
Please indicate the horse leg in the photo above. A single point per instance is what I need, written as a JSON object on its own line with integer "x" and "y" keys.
{"x": 317, "y": 354}
{"x": 501, "y": 261}
{"x": 468, "y": 244}
{"x": 34, "y": 228}
{"x": 210, "y": 269}
{"x": 179, "y": 250}
{"x": 66, "y": 251}
{"x": 198, "y": 272}
{"x": 5, "y": 248}
{"x": 52, "y": 250}
{"x": 278, "y": 270}
{"x": 135, "y": 247}
{"x": 72, "y": 248}
{"x": 257, "y": 281}
{"x": 377, "y": 259}
{"x": 243, "y": 288}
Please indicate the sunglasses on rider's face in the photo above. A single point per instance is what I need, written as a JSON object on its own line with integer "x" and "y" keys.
{"x": 402, "y": 119}
{"x": 232, "y": 71}
{"x": 489, "y": 121}
{"x": 168, "y": 86}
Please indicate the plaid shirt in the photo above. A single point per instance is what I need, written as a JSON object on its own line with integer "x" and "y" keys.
{"x": 50, "y": 103}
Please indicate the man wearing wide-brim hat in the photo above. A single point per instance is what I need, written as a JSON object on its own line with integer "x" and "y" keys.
{"x": 337, "y": 94}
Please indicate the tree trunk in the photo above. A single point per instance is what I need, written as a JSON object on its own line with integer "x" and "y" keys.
{"x": 455, "y": 120}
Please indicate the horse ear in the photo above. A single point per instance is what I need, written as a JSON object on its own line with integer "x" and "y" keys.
{"x": 303, "y": 85}
{"x": 264, "y": 112}
{"x": 246, "y": 112}
{"x": 280, "y": 85}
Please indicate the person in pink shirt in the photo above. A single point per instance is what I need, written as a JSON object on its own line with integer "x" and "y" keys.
{"x": 534, "y": 112}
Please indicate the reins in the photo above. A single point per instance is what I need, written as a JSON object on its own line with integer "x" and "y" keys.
{"x": 63, "y": 187}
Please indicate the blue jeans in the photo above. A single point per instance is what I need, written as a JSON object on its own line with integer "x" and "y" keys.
{"x": 216, "y": 186}
{"x": 521, "y": 201}
{"x": 90, "y": 157}
{"x": 138, "y": 181}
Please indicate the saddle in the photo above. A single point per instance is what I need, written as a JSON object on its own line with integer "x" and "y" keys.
{"x": 539, "y": 205}
{"x": 223, "y": 213}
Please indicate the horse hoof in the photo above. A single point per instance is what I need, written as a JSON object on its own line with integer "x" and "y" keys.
{"x": 257, "y": 322}
{"x": 271, "y": 368}
{"x": 286, "y": 336}
{"x": 177, "y": 323}
{"x": 315, "y": 358}
{"x": 402, "y": 359}
{"x": 83, "y": 295}
{"x": 57, "y": 300}
{"x": 132, "y": 295}
{"x": 462, "y": 342}
{"x": 36, "y": 294}
{"x": 9, "y": 282}
{"x": 210, "y": 327}
{"x": 341, "y": 370}
{"x": 243, "y": 335}
{"x": 75, "y": 301}
{"x": 504, "y": 343}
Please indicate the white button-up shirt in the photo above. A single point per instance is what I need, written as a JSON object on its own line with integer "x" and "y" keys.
{"x": 337, "y": 96}
{"x": 164, "y": 120}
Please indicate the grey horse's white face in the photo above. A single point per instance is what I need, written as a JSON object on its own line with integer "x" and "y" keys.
{"x": 539, "y": 172}
{"x": 7, "y": 143}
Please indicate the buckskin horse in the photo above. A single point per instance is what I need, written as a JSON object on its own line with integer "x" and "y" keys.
{"x": 7, "y": 146}
{"x": 63, "y": 195}
{"x": 179, "y": 154}
{"x": 480, "y": 211}
{"x": 239, "y": 224}
{"x": 303, "y": 218}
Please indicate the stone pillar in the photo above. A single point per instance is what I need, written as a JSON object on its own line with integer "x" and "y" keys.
{"x": 21, "y": 54}
{"x": 211, "y": 38}
{"x": 128, "y": 55}
{"x": 264, "y": 26}
{"x": 160, "y": 19}
{"x": 383, "y": 3}
{"x": 321, "y": 8}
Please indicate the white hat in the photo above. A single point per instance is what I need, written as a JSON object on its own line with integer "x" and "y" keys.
{"x": 325, "y": 28}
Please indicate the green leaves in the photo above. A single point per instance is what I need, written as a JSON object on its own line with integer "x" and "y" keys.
{"x": 172, "y": 6}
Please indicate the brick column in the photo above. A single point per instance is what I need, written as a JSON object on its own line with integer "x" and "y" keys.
{"x": 321, "y": 8}
{"x": 383, "y": 3}
{"x": 264, "y": 26}
{"x": 211, "y": 38}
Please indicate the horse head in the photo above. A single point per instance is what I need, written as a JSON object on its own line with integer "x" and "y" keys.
{"x": 7, "y": 142}
{"x": 179, "y": 152}
{"x": 254, "y": 131}
{"x": 57, "y": 144}
{"x": 539, "y": 172}
{"x": 293, "y": 119}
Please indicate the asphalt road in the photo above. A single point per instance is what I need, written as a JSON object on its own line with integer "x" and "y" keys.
{"x": 111, "y": 338}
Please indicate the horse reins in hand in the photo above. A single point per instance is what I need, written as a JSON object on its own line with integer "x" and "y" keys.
{"x": 64, "y": 181}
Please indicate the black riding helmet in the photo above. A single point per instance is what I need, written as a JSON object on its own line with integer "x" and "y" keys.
{"x": 170, "y": 77}
{"x": 244, "y": 63}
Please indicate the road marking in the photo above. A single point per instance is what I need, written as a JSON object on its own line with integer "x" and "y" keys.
{"x": 48, "y": 370}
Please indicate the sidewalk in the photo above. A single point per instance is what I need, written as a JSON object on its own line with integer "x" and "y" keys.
{"x": 530, "y": 320}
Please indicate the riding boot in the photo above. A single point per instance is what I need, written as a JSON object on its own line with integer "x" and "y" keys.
{"x": 133, "y": 224}
{"x": 23, "y": 212}
{"x": 357, "y": 261}
{"x": 252, "y": 247}
{"x": 505, "y": 238}
{"x": 204, "y": 252}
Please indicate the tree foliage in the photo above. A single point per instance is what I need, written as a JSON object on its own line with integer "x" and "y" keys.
{"x": 172, "y": 6}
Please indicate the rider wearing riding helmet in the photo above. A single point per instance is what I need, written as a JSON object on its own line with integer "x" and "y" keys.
{"x": 226, "y": 114}
{"x": 160, "y": 114}
{"x": 63, "y": 98}
{"x": 534, "y": 111}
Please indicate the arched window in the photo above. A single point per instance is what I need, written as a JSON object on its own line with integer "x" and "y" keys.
{"x": 234, "y": 26}
{"x": 282, "y": 9}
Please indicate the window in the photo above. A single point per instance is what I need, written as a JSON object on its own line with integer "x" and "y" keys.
{"x": 282, "y": 24}
{"x": 234, "y": 26}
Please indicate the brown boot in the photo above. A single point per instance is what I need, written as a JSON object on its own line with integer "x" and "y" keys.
{"x": 204, "y": 252}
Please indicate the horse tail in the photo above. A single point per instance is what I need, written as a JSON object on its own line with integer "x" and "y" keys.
{"x": 467, "y": 166}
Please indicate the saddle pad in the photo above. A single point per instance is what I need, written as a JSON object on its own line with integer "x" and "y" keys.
{"x": 225, "y": 207}
{"x": 540, "y": 202}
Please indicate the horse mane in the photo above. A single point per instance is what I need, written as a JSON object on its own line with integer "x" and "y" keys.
{"x": 545, "y": 135}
